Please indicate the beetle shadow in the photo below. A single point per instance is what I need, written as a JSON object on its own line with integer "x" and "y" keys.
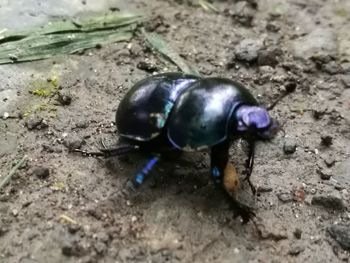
{"x": 181, "y": 175}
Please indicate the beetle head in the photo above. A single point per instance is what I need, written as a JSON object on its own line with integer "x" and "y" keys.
{"x": 254, "y": 121}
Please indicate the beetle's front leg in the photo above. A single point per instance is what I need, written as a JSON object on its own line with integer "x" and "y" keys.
{"x": 250, "y": 165}
{"x": 226, "y": 180}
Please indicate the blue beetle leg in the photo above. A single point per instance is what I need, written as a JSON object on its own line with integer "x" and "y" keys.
{"x": 250, "y": 165}
{"x": 219, "y": 159}
{"x": 140, "y": 177}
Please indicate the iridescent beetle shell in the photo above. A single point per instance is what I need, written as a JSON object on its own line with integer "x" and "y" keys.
{"x": 194, "y": 113}
{"x": 203, "y": 114}
{"x": 143, "y": 111}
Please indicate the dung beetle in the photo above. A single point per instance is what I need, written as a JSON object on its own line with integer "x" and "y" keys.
{"x": 182, "y": 112}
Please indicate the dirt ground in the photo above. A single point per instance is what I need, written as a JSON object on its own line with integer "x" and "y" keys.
{"x": 63, "y": 207}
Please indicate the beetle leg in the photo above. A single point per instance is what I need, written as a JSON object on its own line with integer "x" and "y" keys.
{"x": 227, "y": 181}
{"x": 110, "y": 152}
{"x": 250, "y": 165}
{"x": 140, "y": 177}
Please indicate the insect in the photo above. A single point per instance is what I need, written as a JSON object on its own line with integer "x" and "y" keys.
{"x": 181, "y": 112}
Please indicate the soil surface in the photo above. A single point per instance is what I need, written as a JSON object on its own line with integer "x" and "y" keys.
{"x": 63, "y": 207}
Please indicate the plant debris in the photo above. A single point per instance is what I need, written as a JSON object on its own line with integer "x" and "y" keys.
{"x": 66, "y": 37}
{"x": 160, "y": 45}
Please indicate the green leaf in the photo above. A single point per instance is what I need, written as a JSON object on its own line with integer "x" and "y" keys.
{"x": 65, "y": 37}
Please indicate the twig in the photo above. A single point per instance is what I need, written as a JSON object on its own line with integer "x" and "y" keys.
{"x": 12, "y": 172}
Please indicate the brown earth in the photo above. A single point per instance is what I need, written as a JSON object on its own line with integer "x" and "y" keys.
{"x": 62, "y": 207}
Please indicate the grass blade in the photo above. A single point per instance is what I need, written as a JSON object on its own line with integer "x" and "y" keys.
{"x": 8, "y": 177}
{"x": 161, "y": 46}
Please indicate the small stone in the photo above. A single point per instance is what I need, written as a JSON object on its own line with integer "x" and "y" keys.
{"x": 289, "y": 146}
{"x": 64, "y": 99}
{"x": 331, "y": 68}
{"x": 264, "y": 189}
{"x": 72, "y": 248}
{"x": 329, "y": 161}
{"x": 73, "y": 228}
{"x": 297, "y": 233}
{"x": 325, "y": 174}
{"x": 296, "y": 250}
{"x": 3, "y": 230}
{"x": 41, "y": 172}
{"x": 319, "y": 113}
{"x": 15, "y": 212}
{"x": 268, "y": 57}
{"x": 73, "y": 142}
{"x": 345, "y": 68}
{"x": 285, "y": 197}
{"x": 272, "y": 27}
{"x": 328, "y": 201}
{"x": 6, "y": 115}
{"x": 34, "y": 122}
{"x": 290, "y": 86}
{"x": 247, "y": 50}
{"x": 341, "y": 234}
{"x": 243, "y": 12}
{"x": 148, "y": 66}
{"x": 346, "y": 81}
{"x": 100, "y": 247}
{"x": 83, "y": 124}
{"x": 326, "y": 140}
{"x": 271, "y": 232}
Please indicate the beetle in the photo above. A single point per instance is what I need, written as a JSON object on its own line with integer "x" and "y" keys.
{"x": 182, "y": 112}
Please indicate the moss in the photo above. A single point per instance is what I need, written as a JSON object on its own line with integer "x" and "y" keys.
{"x": 342, "y": 12}
{"x": 44, "y": 88}
{"x": 42, "y": 107}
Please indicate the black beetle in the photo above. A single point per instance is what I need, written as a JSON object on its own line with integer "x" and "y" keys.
{"x": 181, "y": 112}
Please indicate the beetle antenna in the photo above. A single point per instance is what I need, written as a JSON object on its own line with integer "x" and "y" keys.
{"x": 289, "y": 88}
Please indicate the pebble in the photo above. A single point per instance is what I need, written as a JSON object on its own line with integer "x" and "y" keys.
{"x": 264, "y": 189}
{"x": 341, "y": 234}
{"x": 41, "y": 172}
{"x": 15, "y": 212}
{"x": 100, "y": 247}
{"x": 268, "y": 57}
{"x": 345, "y": 68}
{"x": 5, "y": 115}
{"x": 328, "y": 201}
{"x": 346, "y": 81}
{"x": 326, "y": 140}
{"x": 35, "y": 123}
{"x": 72, "y": 249}
{"x": 331, "y": 68}
{"x": 289, "y": 146}
{"x": 296, "y": 249}
{"x": 248, "y": 49}
{"x": 329, "y": 160}
{"x": 64, "y": 99}
{"x": 271, "y": 232}
{"x": 272, "y": 27}
{"x": 73, "y": 142}
{"x": 243, "y": 13}
{"x": 285, "y": 197}
{"x": 147, "y": 65}
{"x": 325, "y": 174}
{"x": 297, "y": 233}
{"x": 290, "y": 86}
{"x": 83, "y": 124}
